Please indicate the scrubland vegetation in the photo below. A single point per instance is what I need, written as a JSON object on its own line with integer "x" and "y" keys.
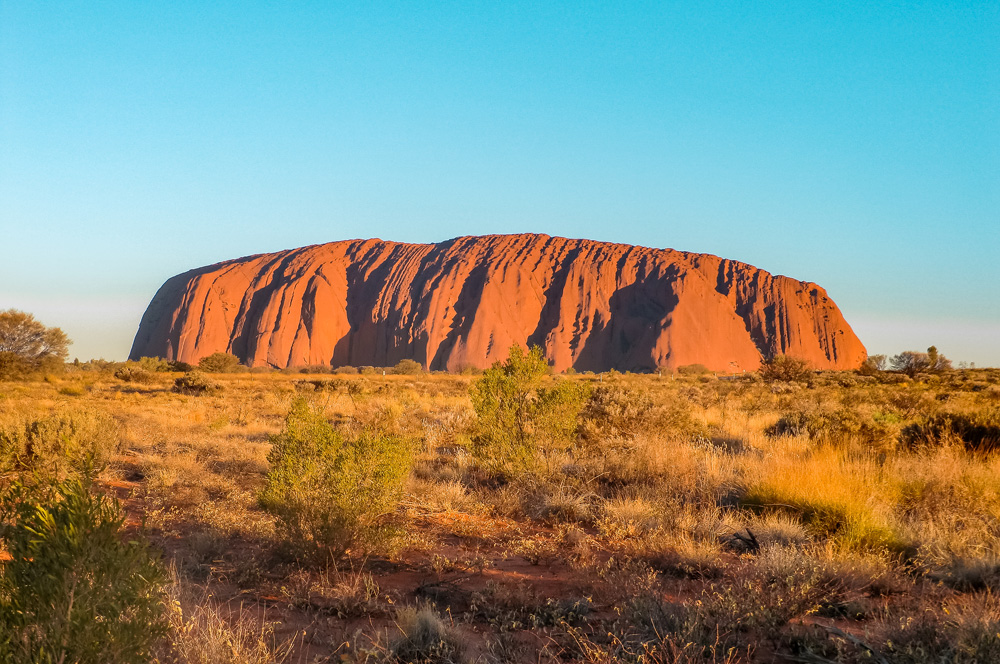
{"x": 506, "y": 516}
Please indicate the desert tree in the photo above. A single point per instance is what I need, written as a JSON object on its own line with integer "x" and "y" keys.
{"x": 874, "y": 364}
{"x": 911, "y": 362}
{"x": 27, "y": 346}
{"x": 936, "y": 361}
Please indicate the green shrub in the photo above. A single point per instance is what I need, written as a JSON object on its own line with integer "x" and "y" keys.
{"x": 424, "y": 639}
{"x": 220, "y": 363}
{"x": 133, "y": 372}
{"x": 693, "y": 370}
{"x": 74, "y": 590}
{"x": 557, "y": 414}
{"x": 786, "y": 368}
{"x": 314, "y": 369}
{"x": 332, "y": 494}
{"x": 878, "y": 429}
{"x": 518, "y": 422}
{"x": 60, "y": 442}
{"x": 156, "y": 364}
{"x": 503, "y": 398}
{"x": 978, "y": 431}
{"x": 408, "y": 368}
{"x": 615, "y": 411}
{"x": 195, "y": 383}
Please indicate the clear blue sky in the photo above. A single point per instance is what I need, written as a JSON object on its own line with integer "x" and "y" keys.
{"x": 853, "y": 144}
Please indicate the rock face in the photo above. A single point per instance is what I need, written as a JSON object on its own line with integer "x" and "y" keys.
{"x": 589, "y": 305}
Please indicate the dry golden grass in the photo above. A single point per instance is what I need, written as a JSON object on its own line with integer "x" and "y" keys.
{"x": 677, "y": 519}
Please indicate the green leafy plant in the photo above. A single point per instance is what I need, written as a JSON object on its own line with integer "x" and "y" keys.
{"x": 786, "y": 368}
{"x": 195, "y": 383}
{"x": 134, "y": 372}
{"x": 408, "y": 368}
{"x": 503, "y": 398}
{"x": 61, "y": 442}
{"x": 155, "y": 364}
{"x": 329, "y": 493}
{"x": 615, "y": 411}
{"x": 978, "y": 431}
{"x": 557, "y": 416}
{"x": 74, "y": 589}
{"x": 517, "y": 419}
{"x": 220, "y": 363}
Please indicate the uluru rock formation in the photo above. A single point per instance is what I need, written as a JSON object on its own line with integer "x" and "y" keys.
{"x": 589, "y": 305}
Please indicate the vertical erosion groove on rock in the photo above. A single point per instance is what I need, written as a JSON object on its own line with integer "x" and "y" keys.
{"x": 589, "y": 305}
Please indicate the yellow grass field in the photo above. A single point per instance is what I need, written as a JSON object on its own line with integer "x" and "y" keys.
{"x": 691, "y": 518}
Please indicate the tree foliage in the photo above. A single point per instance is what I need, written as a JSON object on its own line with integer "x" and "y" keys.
{"x": 27, "y": 346}
{"x": 912, "y": 362}
{"x": 874, "y": 364}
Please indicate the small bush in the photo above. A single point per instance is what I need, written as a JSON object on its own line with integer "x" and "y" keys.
{"x": 220, "y": 363}
{"x": 503, "y": 401}
{"x": 61, "y": 442}
{"x": 615, "y": 411}
{"x": 408, "y": 368}
{"x": 786, "y": 368}
{"x": 313, "y": 369}
{"x": 978, "y": 431}
{"x": 424, "y": 639}
{"x": 693, "y": 370}
{"x": 557, "y": 414}
{"x": 332, "y": 494}
{"x": 156, "y": 364}
{"x": 74, "y": 590}
{"x": 132, "y": 372}
{"x": 195, "y": 383}
{"x": 14, "y": 367}
{"x": 879, "y": 430}
{"x": 518, "y": 422}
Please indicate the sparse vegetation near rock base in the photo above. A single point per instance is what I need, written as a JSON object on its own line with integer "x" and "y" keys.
{"x": 676, "y": 523}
